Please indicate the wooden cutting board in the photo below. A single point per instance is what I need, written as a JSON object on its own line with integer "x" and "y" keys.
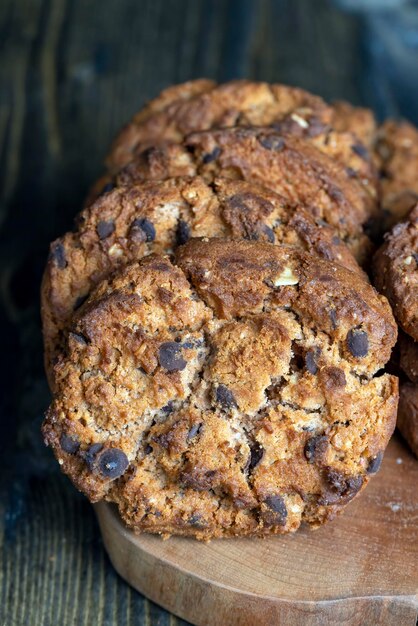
{"x": 361, "y": 569}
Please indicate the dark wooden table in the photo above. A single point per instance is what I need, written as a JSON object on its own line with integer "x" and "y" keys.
{"x": 71, "y": 72}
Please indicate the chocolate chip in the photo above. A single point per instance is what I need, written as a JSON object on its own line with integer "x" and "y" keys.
{"x": 105, "y": 229}
{"x": 169, "y": 356}
{"x": 225, "y": 397}
{"x": 340, "y": 487}
{"x": 375, "y": 463}
{"x": 80, "y": 301}
{"x": 182, "y": 233}
{"x": 79, "y": 338}
{"x": 69, "y": 443}
{"x": 256, "y": 454}
{"x": 358, "y": 342}
{"x": 361, "y": 151}
{"x": 269, "y": 233}
{"x": 112, "y": 463}
{"x": 195, "y": 430}
{"x": 142, "y": 227}
{"x": 278, "y": 506}
{"x": 211, "y": 156}
{"x": 272, "y": 142}
{"x": 333, "y": 318}
{"x": 92, "y": 452}
{"x": 57, "y": 255}
{"x": 315, "y": 448}
{"x": 197, "y": 521}
{"x": 148, "y": 449}
{"x": 168, "y": 408}
{"x": 310, "y": 360}
{"x": 108, "y": 187}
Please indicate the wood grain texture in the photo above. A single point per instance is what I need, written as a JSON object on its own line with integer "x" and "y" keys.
{"x": 71, "y": 72}
{"x": 359, "y": 570}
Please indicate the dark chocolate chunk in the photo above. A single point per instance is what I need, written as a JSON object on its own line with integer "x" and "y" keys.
{"x": 108, "y": 187}
{"x": 142, "y": 229}
{"x": 69, "y": 443}
{"x": 375, "y": 463}
{"x": 148, "y": 449}
{"x": 80, "y": 301}
{"x": 278, "y": 506}
{"x": 92, "y": 452}
{"x": 340, "y": 487}
{"x": 310, "y": 360}
{"x": 269, "y": 233}
{"x": 358, "y": 342}
{"x": 361, "y": 151}
{"x": 195, "y": 430}
{"x": 112, "y": 463}
{"x": 211, "y": 156}
{"x": 333, "y": 318}
{"x": 105, "y": 229}
{"x": 170, "y": 358}
{"x": 57, "y": 255}
{"x": 168, "y": 408}
{"x": 79, "y": 338}
{"x": 182, "y": 233}
{"x": 197, "y": 521}
{"x": 225, "y": 397}
{"x": 315, "y": 448}
{"x": 256, "y": 454}
{"x": 272, "y": 142}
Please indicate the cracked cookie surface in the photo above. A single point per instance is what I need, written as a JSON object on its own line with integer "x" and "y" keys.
{"x": 231, "y": 391}
{"x": 287, "y": 164}
{"x": 130, "y": 222}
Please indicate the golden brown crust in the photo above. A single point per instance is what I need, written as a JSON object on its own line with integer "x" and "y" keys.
{"x": 285, "y": 163}
{"x": 396, "y": 154}
{"x": 395, "y": 268}
{"x": 357, "y": 120}
{"x": 230, "y": 393}
{"x": 130, "y": 222}
{"x": 408, "y": 415}
{"x": 202, "y": 104}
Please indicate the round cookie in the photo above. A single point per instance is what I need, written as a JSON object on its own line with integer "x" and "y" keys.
{"x": 396, "y": 154}
{"x": 232, "y": 392}
{"x": 395, "y": 268}
{"x": 285, "y": 163}
{"x": 408, "y": 415}
{"x": 130, "y": 222}
{"x": 202, "y": 104}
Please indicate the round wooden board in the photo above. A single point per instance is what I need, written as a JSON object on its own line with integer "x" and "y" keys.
{"x": 361, "y": 569}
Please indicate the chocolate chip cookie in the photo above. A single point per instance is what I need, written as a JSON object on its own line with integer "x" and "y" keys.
{"x": 202, "y": 104}
{"x": 231, "y": 391}
{"x": 395, "y": 268}
{"x": 130, "y": 222}
{"x": 396, "y": 152}
{"x": 287, "y": 164}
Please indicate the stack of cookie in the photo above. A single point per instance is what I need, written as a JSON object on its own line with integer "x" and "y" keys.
{"x": 213, "y": 343}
